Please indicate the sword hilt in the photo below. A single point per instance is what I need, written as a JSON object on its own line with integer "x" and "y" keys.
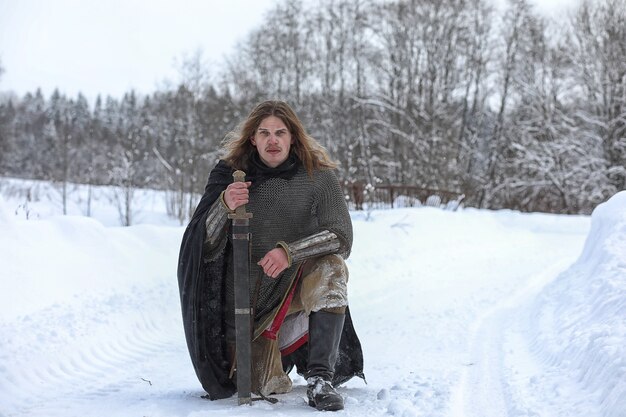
{"x": 240, "y": 212}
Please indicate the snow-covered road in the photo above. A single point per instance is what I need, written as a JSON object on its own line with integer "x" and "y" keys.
{"x": 459, "y": 314}
{"x": 487, "y": 383}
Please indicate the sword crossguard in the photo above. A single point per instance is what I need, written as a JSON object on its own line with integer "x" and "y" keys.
{"x": 240, "y": 212}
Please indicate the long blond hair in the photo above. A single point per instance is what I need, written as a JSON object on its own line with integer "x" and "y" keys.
{"x": 238, "y": 146}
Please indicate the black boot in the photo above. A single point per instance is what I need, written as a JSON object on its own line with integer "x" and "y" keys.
{"x": 324, "y": 335}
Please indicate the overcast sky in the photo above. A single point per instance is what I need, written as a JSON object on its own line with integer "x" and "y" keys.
{"x": 111, "y": 46}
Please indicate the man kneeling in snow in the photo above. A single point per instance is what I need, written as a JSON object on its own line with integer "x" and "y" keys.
{"x": 301, "y": 234}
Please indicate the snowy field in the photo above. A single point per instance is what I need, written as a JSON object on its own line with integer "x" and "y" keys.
{"x": 472, "y": 313}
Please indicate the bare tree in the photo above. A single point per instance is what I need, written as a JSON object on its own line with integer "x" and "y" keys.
{"x": 129, "y": 153}
{"x": 424, "y": 50}
{"x": 192, "y": 121}
{"x": 93, "y": 153}
{"x": 470, "y": 160}
{"x": 69, "y": 119}
{"x": 513, "y": 40}
{"x": 186, "y": 145}
{"x": 598, "y": 48}
{"x": 542, "y": 171}
{"x": 340, "y": 45}
{"x": 275, "y": 61}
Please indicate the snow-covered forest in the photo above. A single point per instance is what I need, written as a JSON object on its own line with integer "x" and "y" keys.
{"x": 501, "y": 105}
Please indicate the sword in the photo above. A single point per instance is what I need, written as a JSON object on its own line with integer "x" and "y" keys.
{"x": 243, "y": 313}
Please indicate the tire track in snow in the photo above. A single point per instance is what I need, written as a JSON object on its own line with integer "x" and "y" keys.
{"x": 484, "y": 387}
{"x": 104, "y": 347}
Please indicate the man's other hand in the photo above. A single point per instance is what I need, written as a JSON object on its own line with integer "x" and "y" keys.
{"x": 274, "y": 262}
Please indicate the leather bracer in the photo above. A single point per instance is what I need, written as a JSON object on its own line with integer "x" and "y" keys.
{"x": 321, "y": 243}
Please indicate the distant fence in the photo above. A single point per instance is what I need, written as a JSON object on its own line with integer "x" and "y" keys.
{"x": 360, "y": 196}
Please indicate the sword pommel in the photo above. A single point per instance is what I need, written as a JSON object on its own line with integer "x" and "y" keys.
{"x": 239, "y": 176}
{"x": 240, "y": 212}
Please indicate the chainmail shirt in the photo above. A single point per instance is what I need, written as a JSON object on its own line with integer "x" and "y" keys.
{"x": 287, "y": 210}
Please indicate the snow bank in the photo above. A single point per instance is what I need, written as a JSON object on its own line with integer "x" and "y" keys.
{"x": 580, "y": 319}
{"x": 90, "y": 320}
{"x": 80, "y": 303}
